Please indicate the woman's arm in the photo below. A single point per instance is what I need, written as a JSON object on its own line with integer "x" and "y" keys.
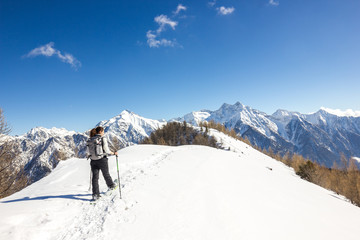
{"x": 106, "y": 147}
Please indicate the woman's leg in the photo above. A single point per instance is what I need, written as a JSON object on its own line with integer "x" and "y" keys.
{"x": 105, "y": 171}
{"x": 95, "y": 178}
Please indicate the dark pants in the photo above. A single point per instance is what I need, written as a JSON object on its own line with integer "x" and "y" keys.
{"x": 96, "y": 166}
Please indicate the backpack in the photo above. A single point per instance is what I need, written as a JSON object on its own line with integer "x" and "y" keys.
{"x": 95, "y": 147}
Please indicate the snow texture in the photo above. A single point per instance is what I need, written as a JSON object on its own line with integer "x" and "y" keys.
{"x": 187, "y": 192}
{"x": 341, "y": 113}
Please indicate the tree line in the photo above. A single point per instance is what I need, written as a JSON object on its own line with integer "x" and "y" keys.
{"x": 176, "y": 134}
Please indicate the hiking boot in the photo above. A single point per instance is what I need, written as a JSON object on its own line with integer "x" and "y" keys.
{"x": 112, "y": 187}
{"x": 96, "y": 197}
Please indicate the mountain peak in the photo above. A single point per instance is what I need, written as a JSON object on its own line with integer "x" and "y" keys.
{"x": 126, "y": 111}
{"x": 237, "y": 105}
{"x": 282, "y": 114}
{"x": 127, "y": 124}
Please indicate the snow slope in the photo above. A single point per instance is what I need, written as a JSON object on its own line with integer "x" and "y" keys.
{"x": 187, "y": 192}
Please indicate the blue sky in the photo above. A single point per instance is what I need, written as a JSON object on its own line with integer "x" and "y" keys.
{"x": 73, "y": 63}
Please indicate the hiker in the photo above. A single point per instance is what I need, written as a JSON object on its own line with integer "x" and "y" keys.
{"x": 98, "y": 151}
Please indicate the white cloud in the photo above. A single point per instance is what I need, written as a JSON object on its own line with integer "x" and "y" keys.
{"x": 154, "y": 42}
{"x": 48, "y": 50}
{"x": 273, "y": 3}
{"x": 153, "y": 36}
{"x": 225, "y": 10}
{"x": 211, "y": 4}
{"x": 180, "y": 8}
{"x": 163, "y": 21}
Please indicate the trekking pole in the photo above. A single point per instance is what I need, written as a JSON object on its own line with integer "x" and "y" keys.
{"x": 117, "y": 164}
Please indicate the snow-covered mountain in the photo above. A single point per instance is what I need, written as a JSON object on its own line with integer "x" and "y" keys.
{"x": 320, "y": 136}
{"x": 187, "y": 192}
{"x": 231, "y": 116}
{"x": 41, "y": 148}
{"x": 129, "y": 128}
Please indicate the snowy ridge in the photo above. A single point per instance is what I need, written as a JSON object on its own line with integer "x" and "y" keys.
{"x": 194, "y": 118}
{"x": 341, "y": 113}
{"x": 125, "y": 119}
{"x": 187, "y": 192}
{"x": 231, "y": 115}
{"x": 129, "y": 128}
{"x": 38, "y": 134}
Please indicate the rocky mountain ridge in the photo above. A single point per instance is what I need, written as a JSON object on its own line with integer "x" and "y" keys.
{"x": 321, "y": 136}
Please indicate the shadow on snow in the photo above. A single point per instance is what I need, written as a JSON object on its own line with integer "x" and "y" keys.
{"x": 69, "y": 196}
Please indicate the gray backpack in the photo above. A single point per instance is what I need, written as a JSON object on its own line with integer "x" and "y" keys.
{"x": 95, "y": 147}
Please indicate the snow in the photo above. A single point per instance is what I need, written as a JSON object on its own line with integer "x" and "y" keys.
{"x": 246, "y": 115}
{"x": 60, "y": 132}
{"x": 187, "y": 192}
{"x": 194, "y": 118}
{"x": 342, "y": 113}
{"x": 127, "y": 122}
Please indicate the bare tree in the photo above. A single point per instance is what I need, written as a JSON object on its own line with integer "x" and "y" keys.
{"x": 11, "y": 179}
{"x": 4, "y": 127}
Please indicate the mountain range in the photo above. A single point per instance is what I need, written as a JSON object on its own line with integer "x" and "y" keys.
{"x": 322, "y": 136}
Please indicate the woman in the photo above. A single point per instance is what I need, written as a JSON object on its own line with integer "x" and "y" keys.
{"x": 99, "y": 150}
